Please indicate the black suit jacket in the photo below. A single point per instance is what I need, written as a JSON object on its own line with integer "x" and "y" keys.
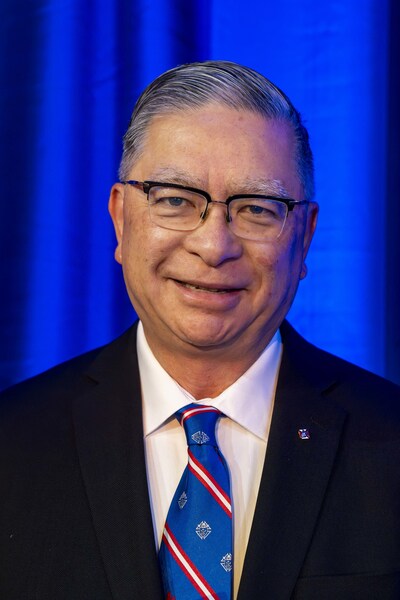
{"x": 75, "y": 521}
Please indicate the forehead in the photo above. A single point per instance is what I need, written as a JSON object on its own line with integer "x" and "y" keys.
{"x": 215, "y": 142}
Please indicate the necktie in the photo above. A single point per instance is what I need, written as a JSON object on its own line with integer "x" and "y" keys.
{"x": 196, "y": 549}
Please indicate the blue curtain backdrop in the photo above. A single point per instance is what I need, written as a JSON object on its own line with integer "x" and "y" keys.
{"x": 70, "y": 71}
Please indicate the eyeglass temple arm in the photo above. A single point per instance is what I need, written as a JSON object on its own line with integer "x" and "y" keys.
{"x": 133, "y": 183}
{"x": 292, "y": 203}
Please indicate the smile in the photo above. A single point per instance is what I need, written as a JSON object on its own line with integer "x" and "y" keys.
{"x": 211, "y": 290}
{"x": 198, "y": 287}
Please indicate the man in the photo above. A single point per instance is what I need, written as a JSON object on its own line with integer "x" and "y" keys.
{"x": 214, "y": 216}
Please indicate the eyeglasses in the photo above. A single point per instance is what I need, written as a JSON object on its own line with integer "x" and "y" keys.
{"x": 250, "y": 216}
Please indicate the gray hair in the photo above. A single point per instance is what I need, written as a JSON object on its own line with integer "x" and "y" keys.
{"x": 193, "y": 85}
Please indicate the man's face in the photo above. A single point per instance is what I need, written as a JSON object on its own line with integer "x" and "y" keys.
{"x": 207, "y": 289}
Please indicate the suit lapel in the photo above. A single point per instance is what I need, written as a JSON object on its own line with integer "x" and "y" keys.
{"x": 296, "y": 473}
{"x": 109, "y": 437}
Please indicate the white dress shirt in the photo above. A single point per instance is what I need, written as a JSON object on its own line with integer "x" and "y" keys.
{"x": 242, "y": 436}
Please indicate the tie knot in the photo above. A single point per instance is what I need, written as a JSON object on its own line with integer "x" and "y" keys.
{"x": 199, "y": 424}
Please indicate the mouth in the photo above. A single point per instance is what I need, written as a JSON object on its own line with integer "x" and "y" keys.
{"x": 202, "y": 288}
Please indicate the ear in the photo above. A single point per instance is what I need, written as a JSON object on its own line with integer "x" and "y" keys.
{"x": 310, "y": 226}
{"x": 116, "y": 210}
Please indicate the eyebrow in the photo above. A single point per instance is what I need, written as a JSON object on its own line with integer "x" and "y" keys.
{"x": 172, "y": 175}
{"x": 265, "y": 186}
{"x": 248, "y": 185}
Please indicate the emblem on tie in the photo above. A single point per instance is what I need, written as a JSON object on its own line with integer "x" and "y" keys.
{"x": 182, "y": 500}
{"x": 226, "y": 562}
{"x": 200, "y": 437}
{"x": 203, "y": 530}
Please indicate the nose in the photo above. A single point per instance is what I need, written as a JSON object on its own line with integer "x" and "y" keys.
{"x": 213, "y": 240}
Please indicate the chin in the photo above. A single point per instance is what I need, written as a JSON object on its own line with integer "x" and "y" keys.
{"x": 209, "y": 333}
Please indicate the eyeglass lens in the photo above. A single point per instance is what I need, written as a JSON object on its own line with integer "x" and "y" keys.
{"x": 183, "y": 210}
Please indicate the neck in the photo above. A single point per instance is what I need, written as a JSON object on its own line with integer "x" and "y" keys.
{"x": 205, "y": 372}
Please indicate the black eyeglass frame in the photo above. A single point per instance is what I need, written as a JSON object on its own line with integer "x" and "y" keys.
{"x": 145, "y": 186}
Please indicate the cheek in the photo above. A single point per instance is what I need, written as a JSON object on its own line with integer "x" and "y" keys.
{"x": 135, "y": 236}
{"x": 135, "y": 254}
{"x": 289, "y": 270}
{"x": 279, "y": 269}
{"x": 144, "y": 249}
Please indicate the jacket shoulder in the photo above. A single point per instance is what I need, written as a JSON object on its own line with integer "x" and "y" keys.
{"x": 366, "y": 397}
{"x": 324, "y": 365}
{"x": 61, "y": 382}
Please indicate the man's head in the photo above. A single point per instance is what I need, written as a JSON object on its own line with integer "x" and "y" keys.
{"x": 229, "y": 84}
{"x": 218, "y": 288}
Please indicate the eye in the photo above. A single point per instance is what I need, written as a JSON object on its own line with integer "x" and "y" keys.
{"x": 174, "y": 201}
{"x": 173, "y": 206}
{"x": 255, "y": 209}
{"x": 262, "y": 210}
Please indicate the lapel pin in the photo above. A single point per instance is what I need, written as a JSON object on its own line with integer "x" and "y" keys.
{"x": 303, "y": 434}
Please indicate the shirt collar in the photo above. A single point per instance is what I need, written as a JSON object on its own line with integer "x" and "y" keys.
{"x": 248, "y": 401}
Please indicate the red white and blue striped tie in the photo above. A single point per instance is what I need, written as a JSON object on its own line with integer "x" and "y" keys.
{"x": 196, "y": 550}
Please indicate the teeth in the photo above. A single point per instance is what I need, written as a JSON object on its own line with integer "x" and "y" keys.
{"x": 198, "y": 287}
